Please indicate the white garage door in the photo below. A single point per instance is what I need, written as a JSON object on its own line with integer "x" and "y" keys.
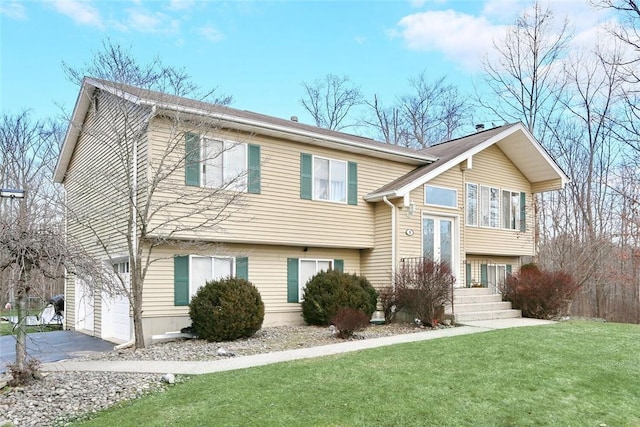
{"x": 116, "y": 321}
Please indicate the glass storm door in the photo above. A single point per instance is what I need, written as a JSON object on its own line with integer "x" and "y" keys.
{"x": 437, "y": 238}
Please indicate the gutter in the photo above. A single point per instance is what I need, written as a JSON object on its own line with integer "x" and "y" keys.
{"x": 393, "y": 241}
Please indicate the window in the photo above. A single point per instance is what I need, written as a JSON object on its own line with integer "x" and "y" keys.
{"x": 489, "y": 207}
{"x": 222, "y": 164}
{"x": 190, "y": 272}
{"x": 513, "y": 210}
{"x": 121, "y": 267}
{"x": 329, "y": 180}
{"x": 496, "y": 275}
{"x": 472, "y": 204}
{"x": 440, "y": 196}
{"x": 308, "y": 269}
{"x": 299, "y": 271}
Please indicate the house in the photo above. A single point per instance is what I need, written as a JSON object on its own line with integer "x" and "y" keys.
{"x": 312, "y": 199}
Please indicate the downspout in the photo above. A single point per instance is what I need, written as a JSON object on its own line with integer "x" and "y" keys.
{"x": 393, "y": 241}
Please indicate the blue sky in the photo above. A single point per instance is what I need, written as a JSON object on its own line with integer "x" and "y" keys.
{"x": 259, "y": 52}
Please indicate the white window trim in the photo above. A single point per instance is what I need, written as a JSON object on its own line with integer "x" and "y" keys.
{"x": 496, "y": 266}
{"x": 226, "y": 145}
{"x": 443, "y": 188}
{"x": 313, "y": 180}
{"x": 466, "y": 204}
{"x": 192, "y": 288}
{"x": 455, "y": 267}
{"x": 489, "y": 227}
{"x": 302, "y": 285}
{"x": 502, "y": 210}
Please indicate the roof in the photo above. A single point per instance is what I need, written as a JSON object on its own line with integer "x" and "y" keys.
{"x": 232, "y": 118}
{"x": 514, "y": 140}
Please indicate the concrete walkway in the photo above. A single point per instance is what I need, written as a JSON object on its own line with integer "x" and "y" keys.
{"x": 242, "y": 362}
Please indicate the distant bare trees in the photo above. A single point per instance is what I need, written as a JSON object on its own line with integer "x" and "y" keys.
{"x": 329, "y": 100}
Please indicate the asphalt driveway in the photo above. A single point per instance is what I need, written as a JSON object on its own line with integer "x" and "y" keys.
{"x": 52, "y": 346}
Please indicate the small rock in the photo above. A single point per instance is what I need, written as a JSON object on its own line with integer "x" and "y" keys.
{"x": 169, "y": 378}
{"x": 224, "y": 353}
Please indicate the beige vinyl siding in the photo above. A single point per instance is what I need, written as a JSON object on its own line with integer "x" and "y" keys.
{"x": 97, "y": 187}
{"x": 278, "y": 215}
{"x": 267, "y": 271}
{"x": 492, "y": 168}
{"x": 376, "y": 264}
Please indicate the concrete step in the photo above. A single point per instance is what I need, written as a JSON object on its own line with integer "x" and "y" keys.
{"x": 486, "y": 315}
{"x": 476, "y": 299}
{"x": 478, "y": 307}
{"x": 472, "y": 291}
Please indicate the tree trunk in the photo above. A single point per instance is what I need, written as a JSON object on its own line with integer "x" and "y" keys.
{"x": 21, "y": 333}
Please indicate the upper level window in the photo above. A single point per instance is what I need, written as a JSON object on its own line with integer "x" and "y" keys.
{"x": 472, "y": 204}
{"x": 440, "y": 196}
{"x": 329, "y": 180}
{"x": 512, "y": 212}
{"x": 222, "y": 164}
{"x": 489, "y": 207}
{"x": 121, "y": 267}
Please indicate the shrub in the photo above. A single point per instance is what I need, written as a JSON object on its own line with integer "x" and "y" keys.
{"x": 226, "y": 309}
{"x": 389, "y": 301}
{"x": 347, "y": 321}
{"x": 329, "y": 291}
{"x": 423, "y": 288}
{"x": 539, "y": 294}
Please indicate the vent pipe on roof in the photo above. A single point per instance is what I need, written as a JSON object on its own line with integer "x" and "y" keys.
{"x": 294, "y": 119}
{"x": 479, "y": 127}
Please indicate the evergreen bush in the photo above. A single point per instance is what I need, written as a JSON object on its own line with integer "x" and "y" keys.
{"x": 226, "y": 309}
{"x": 329, "y": 291}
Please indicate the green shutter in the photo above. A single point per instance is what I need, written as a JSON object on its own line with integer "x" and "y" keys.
{"x": 292, "y": 280}
{"x": 306, "y": 167}
{"x": 338, "y": 265}
{"x": 253, "y": 178}
{"x": 181, "y": 280}
{"x": 192, "y": 159}
{"x": 509, "y": 268}
{"x": 242, "y": 268}
{"x": 468, "y": 275}
{"x": 352, "y": 188}
{"x": 483, "y": 275}
{"x": 523, "y": 212}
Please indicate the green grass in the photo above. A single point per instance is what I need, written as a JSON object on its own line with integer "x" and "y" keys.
{"x": 568, "y": 374}
{"x": 6, "y": 328}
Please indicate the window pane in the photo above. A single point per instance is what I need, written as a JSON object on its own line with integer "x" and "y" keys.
{"x": 321, "y": 179}
{"x": 484, "y": 206}
{"x": 323, "y": 266}
{"x": 212, "y": 159}
{"x": 236, "y": 166}
{"x": 440, "y": 196}
{"x": 515, "y": 210}
{"x": 495, "y": 208}
{"x": 307, "y": 271}
{"x": 506, "y": 210}
{"x": 338, "y": 181}
{"x": 472, "y": 204}
{"x": 428, "y": 238}
{"x": 222, "y": 267}
{"x": 201, "y": 272}
{"x": 446, "y": 239}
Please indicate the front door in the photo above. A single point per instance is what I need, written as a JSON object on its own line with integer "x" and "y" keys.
{"x": 438, "y": 242}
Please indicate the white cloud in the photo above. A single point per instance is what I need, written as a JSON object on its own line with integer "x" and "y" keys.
{"x": 211, "y": 33}
{"x": 149, "y": 22}
{"x": 460, "y": 37}
{"x": 81, "y": 12}
{"x": 180, "y": 4}
{"x": 360, "y": 39}
{"x": 13, "y": 10}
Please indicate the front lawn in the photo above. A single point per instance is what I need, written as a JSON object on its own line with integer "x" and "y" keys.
{"x": 568, "y": 374}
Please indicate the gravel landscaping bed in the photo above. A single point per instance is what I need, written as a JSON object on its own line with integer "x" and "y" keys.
{"x": 61, "y": 397}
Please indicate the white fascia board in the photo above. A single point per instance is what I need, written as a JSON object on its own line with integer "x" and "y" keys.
{"x": 306, "y": 136}
{"x": 73, "y": 130}
{"x": 563, "y": 177}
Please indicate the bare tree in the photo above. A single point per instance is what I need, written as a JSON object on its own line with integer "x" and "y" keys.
{"x": 433, "y": 112}
{"x": 330, "y": 100}
{"x": 148, "y": 204}
{"x": 523, "y": 72}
